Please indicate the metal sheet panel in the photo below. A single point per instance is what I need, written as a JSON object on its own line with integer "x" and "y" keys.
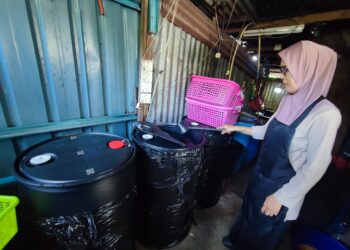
{"x": 176, "y": 57}
{"x": 271, "y": 98}
{"x": 63, "y": 61}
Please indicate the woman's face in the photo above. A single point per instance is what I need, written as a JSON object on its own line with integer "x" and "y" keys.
{"x": 288, "y": 81}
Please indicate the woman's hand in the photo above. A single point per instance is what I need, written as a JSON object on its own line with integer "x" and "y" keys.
{"x": 271, "y": 206}
{"x": 227, "y": 129}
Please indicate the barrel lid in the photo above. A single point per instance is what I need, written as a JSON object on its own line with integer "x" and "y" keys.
{"x": 190, "y": 139}
{"x": 74, "y": 160}
{"x": 188, "y": 123}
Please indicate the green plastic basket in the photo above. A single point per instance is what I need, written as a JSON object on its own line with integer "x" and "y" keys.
{"x": 8, "y": 221}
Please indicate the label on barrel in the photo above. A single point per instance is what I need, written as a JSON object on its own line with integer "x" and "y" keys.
{"x": 90, "y": 171}
{"x": 80, "y": 152}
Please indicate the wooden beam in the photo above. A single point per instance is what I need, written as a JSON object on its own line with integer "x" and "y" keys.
{"x": 312, "y": 18}
{"x": 143, "y": 27}
{"x": 146, "y": 53}
{"x": 146, "y": 38}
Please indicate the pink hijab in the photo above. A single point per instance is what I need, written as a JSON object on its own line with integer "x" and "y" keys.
{"x": 312, "y": 67}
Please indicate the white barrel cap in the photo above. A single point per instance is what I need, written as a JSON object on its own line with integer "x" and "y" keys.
{"x": 40, "y": 159}
{"x": 147, "y": 136}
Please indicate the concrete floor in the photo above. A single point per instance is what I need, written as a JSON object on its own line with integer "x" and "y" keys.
{"x": 214, "y": 223}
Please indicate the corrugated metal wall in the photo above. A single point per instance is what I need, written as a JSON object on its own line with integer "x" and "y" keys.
{"x": 271, "y": 98}
{"x": 176, "y": 57}
{"x": 62, "y": 65}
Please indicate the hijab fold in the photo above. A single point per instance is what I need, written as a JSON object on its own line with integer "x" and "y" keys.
{"x": 312, "y": 66}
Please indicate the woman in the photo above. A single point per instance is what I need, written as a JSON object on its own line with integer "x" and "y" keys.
{"x": 296, "y": 150}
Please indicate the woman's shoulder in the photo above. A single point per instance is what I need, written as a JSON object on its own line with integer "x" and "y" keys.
{"x": 326, "y": 110}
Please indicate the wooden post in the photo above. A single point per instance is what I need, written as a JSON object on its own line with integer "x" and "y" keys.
{"x": 146, "y": 53}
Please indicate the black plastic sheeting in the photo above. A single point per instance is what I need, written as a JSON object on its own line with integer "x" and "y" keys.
{"x": 166, "y": 190}
{"x": 108, "y": 227}
{"x": 220, "y": 154}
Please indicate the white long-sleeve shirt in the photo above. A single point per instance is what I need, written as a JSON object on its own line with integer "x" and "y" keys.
{"x": 309, "y": 154}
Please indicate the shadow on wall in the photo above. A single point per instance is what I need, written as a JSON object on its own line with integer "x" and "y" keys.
{"x": 339, "y": 40}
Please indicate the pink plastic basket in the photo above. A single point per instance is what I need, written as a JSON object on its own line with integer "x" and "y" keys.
{"x": 215, "y": 91}
{"x": 211, "y": 115}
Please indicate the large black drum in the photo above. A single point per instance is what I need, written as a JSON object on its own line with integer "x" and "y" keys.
{"x": 220, "y": 154}
{"x": 167, "y": 178}
{"x": 80, "y": 190}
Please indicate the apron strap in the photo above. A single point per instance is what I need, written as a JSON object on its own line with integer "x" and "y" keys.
{"x": 306, "y": 112}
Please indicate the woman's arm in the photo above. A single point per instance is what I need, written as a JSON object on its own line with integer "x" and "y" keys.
{"x": 257, "y": 132}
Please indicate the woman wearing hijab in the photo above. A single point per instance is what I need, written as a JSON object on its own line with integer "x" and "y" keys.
{"x": 296, "y": 148}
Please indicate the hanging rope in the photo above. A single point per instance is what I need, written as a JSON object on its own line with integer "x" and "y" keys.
{"x": 236, "y": 49}
{"x": 218, "y": 29}
{"x": 165, "y": 49}
{"x": 231, "y": 52}
{"x": 229, "y": 20}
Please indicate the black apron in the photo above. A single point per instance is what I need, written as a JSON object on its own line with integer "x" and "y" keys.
{"x": 271, "y": 172}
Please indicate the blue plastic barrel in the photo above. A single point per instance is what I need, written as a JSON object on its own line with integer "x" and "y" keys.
{"x": 252, "y": 150}
{"x": 243, "y": 139}
{"x": 303, "y": 235}
{"x": 251, "y": 147}
{"x": 240, "y": 137}
{"x": 247, "y": 118}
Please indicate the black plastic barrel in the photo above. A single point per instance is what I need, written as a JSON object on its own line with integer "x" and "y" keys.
{"x": 167, "y": 178}
{"x": 80, "y": 190}
{"x": 220, "y": 155}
